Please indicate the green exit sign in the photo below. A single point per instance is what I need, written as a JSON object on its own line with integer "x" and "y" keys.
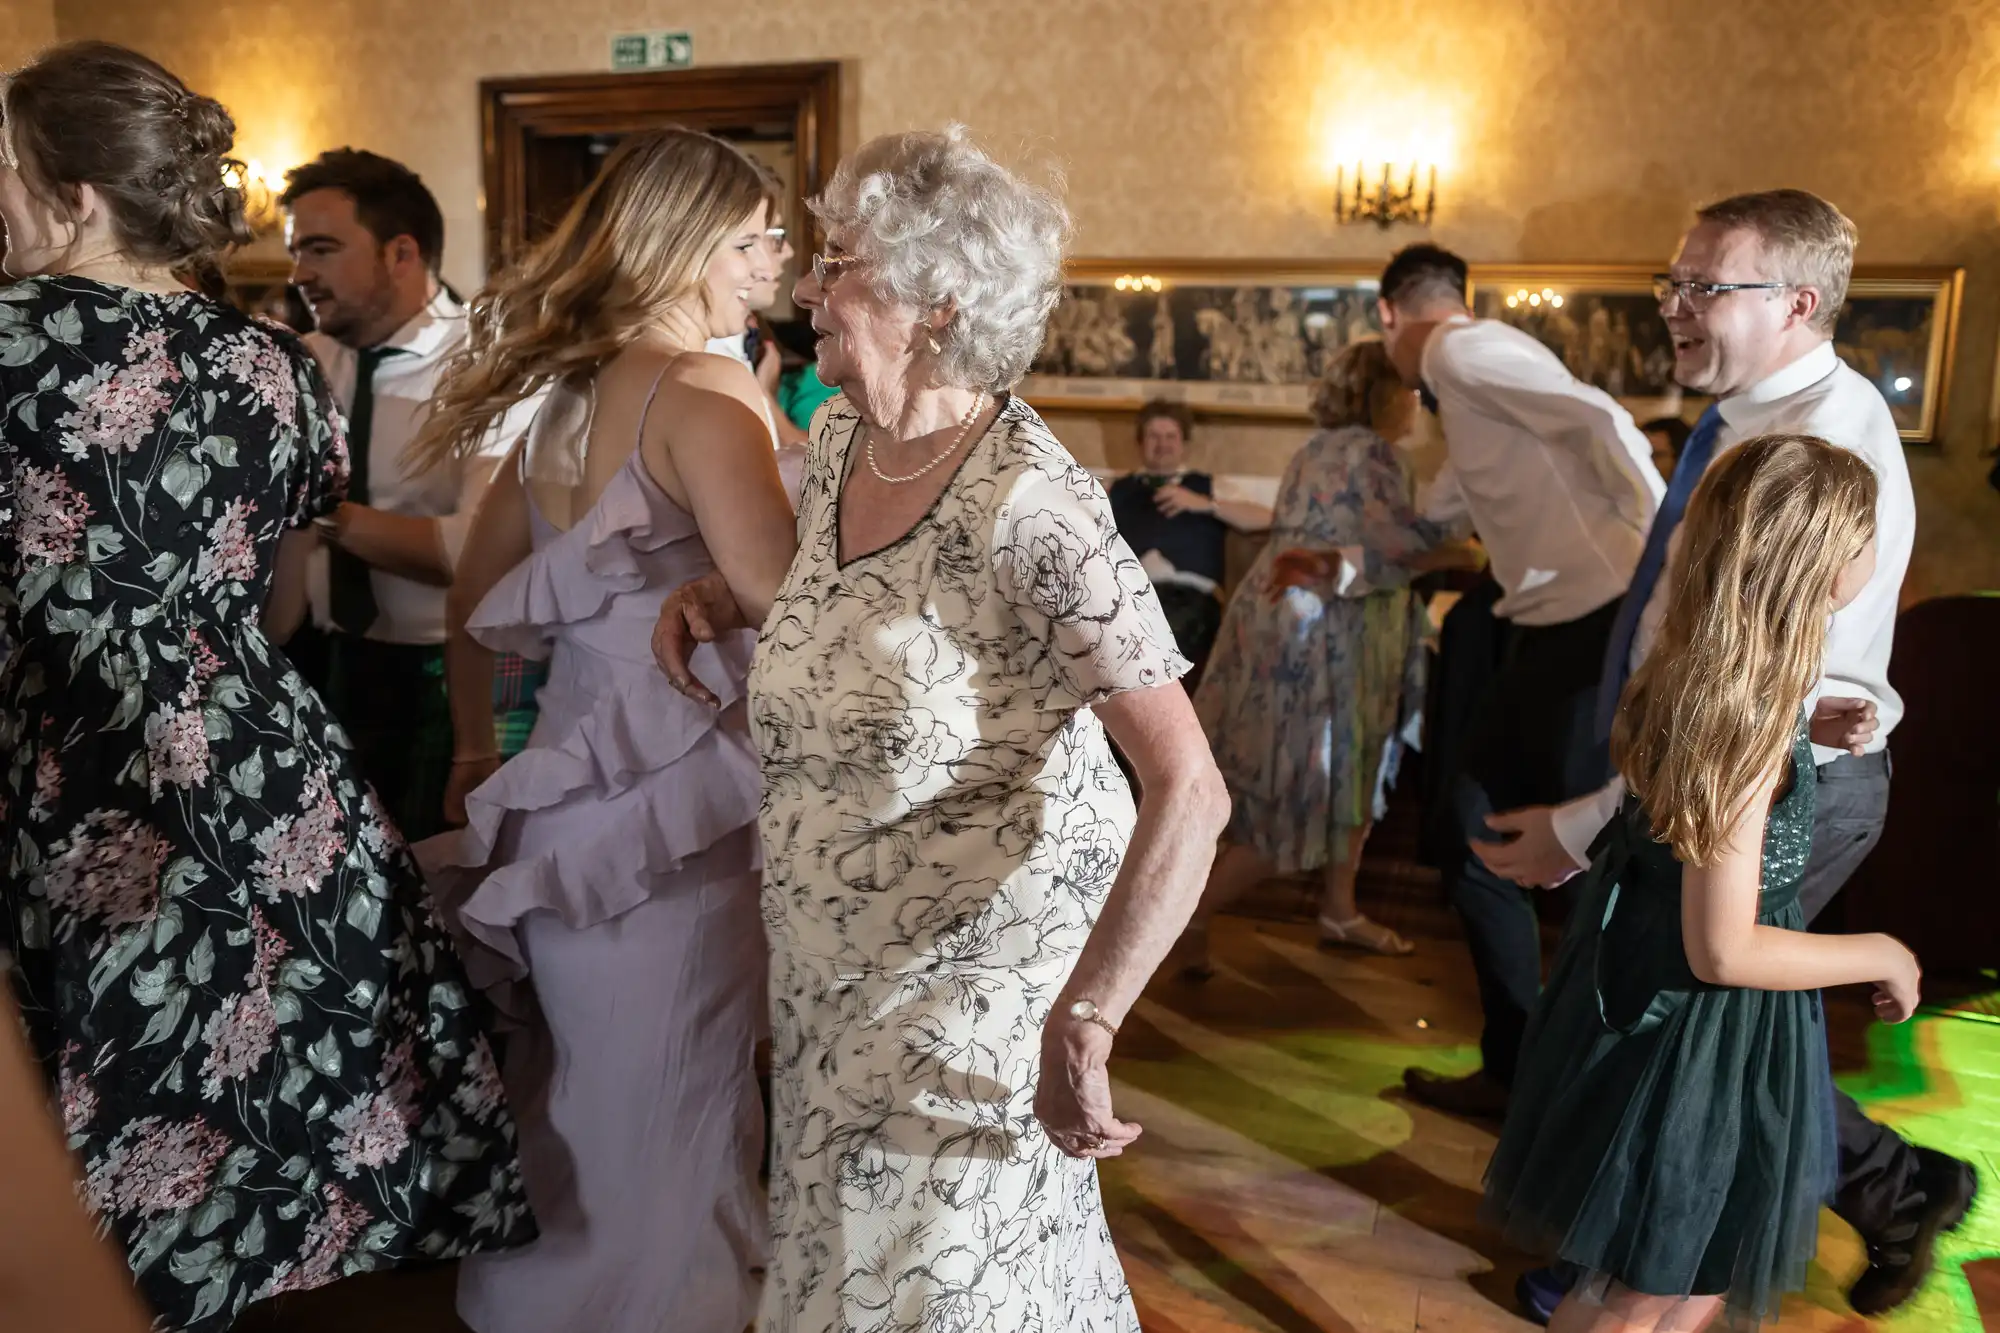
{"x": 652, "y": 50}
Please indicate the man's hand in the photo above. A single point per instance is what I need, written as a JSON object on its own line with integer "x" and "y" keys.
{"x": 1530, "y": 853}
{"x": 1844, "y": 724}
{"x": 1173, "y": 501}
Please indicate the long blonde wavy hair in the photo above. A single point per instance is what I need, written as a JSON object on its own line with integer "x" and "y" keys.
{"x": 633, "y": 246}
{"x": 1714, "y": 708}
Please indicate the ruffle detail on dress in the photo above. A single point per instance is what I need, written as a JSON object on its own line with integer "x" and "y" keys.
{"x": 547, "y": 588}
{"x": 648, "y": 794}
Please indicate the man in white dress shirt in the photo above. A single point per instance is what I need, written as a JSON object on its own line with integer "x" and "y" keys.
{"x": 1751, "y": 303}
{"x": 1559, "y": 483}
{"x": 367, "y": 238}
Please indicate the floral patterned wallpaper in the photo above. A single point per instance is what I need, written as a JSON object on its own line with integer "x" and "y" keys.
{"x": 1569, "y": 130}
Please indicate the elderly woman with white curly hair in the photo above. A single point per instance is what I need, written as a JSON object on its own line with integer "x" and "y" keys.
{"x": 962, "y": 900}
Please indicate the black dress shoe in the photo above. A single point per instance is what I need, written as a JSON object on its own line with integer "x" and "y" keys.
{"x": 1900, "y": 1259}
{"x": 1476, "y": 1096}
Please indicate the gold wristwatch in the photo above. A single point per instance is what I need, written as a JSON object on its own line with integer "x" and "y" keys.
{"x": 1086, "y": 1011}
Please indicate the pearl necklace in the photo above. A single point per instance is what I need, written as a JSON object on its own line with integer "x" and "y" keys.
{"x": 964, "y": 429}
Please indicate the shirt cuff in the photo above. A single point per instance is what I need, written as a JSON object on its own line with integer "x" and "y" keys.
{"x": 1351, "y": 583}
{"x": 1577, "y": 823}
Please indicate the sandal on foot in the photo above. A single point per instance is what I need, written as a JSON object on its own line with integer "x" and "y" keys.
{"x": 1361, "y": 933}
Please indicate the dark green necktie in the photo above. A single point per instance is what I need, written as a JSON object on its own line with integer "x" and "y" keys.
{"x": 350, "y": 590}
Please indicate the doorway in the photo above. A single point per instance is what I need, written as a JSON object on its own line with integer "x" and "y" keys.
{"x": 547, "y": 137}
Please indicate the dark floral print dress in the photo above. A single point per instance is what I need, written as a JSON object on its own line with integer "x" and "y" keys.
{"x": 270, "y": 1065}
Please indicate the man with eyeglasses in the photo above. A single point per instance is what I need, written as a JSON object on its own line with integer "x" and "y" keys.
{"x": 1751, "y": 304}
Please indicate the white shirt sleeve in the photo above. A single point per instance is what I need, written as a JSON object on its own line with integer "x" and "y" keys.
{"x": 476, "y": 474}
{"x": 1578, "y": 822}
{"x": 1443, "y": 500}
{"x": 1519, "y": 380}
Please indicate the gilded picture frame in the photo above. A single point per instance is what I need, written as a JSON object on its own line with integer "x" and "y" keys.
{"x": 1248, "y": 337}
{"x": 1245, "y": 337}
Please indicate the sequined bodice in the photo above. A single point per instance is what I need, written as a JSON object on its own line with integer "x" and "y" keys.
{"x": 1632, "y": 899}
{"x": 1788, "y": 832}
{"x": 1787, "y": 841}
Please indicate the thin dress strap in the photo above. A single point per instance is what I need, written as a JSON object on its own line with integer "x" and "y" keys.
{"x": 647, "y": 410}
{"x": 560, "y": 461}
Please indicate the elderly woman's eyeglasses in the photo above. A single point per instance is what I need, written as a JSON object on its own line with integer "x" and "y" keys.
{"x": 828, "y": 267}
{"x": 1697, "y": 295}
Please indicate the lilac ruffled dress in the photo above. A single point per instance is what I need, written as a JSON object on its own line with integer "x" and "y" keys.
{"x": 607, "y": 886}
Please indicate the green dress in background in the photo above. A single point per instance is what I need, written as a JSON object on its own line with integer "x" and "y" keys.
{"x": 1670, "y": 1135}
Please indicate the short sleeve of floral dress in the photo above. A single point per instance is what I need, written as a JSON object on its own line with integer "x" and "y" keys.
{"x": 271, "y": 1067}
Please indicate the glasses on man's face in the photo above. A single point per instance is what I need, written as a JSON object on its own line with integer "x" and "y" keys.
{"x": 828, "y": 267}
{"x": 1697, "y": 296}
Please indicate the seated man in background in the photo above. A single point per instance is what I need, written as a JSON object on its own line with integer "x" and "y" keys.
{"x": 1171, "y": 518}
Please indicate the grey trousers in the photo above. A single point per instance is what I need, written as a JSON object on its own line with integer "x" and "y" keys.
{"x": 1877, "y": 1168}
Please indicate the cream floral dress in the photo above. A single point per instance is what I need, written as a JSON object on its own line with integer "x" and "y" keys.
{"x": 942, "y": 819}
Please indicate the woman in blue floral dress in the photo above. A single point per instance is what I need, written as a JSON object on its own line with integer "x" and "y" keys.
{"x": 269, "y": 1063}
{"x": 1316, "y": 657}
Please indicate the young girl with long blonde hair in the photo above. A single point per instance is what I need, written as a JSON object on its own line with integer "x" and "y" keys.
{"x": 1671, "y": 1130}
{"x": 606, "y": 877}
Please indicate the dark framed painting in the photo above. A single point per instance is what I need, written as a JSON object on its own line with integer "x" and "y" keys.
{"x": 1250, "y": 337}
{"x": 1219, "y": 336}
{"x": 1899, "y": 328}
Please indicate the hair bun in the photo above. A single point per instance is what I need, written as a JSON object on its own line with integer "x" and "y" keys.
{"x": 210, "y": 129}
{"x": 93, "y": 113}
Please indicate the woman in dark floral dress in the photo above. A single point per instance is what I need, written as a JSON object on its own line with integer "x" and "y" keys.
{"x": 270, "y": 1065}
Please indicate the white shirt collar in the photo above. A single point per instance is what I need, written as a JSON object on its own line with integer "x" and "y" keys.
{"x": 437, "y": 324}
{"x": 1801, "y": 374}
{"x": 1444, "y": 326}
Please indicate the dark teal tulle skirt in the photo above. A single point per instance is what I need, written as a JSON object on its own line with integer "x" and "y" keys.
{"x": 1674, "y": 1137}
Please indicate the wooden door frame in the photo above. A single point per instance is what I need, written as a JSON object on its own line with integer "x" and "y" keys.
{"x": 513, "y": 108}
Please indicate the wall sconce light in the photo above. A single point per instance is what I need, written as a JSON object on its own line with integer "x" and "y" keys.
{"x": 1142, "y": 282}
{"x": 260, "y": 195}
{"x": 1535, "y": 300}
{"x": 1384, "y": 205}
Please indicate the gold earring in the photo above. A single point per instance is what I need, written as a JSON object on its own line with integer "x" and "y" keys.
{"x": 937, "y": 348}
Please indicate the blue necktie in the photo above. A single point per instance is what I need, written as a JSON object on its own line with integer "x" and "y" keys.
{"x": 1694, "y": 458}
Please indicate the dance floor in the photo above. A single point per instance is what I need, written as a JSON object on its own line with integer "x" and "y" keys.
{"x": 1285, "y": 1185}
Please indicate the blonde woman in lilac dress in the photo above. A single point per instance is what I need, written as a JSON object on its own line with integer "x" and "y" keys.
{"x": 1319, "y": 659}
{"x": 606, "y": 877}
